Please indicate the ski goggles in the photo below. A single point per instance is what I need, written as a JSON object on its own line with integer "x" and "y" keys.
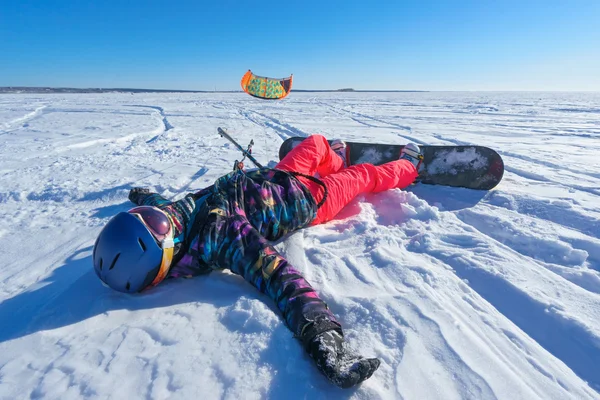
{"x": 159, "y": 225}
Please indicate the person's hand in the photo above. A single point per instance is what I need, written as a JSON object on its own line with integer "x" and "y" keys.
{"x": 341, "y": 366}
{"x": 136, "y": 195}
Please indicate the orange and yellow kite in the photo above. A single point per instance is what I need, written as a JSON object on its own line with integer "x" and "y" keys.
{"x": 266, "y": 88}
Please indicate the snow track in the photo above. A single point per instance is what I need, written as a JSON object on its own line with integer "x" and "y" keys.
{"x": 462, "y": 294}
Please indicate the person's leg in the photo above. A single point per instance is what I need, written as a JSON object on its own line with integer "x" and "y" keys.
{"x": 345, "y": 185}
{"x": 312, "y": 155}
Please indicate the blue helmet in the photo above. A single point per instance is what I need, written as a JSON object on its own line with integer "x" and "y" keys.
{"x": 127, "y": 256}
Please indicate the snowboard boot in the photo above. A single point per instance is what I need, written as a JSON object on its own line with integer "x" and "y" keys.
{"x": 412, "y": 153}
{"x": 339, "y": 147}
{"x": 341, "y": 366}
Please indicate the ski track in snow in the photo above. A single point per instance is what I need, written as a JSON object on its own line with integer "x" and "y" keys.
{"x": 283, "y": 130}
{"x": 461, "y": 294}
{"x": 161, "y": 115}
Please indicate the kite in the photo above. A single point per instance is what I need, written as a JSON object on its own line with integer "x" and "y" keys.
{"x": 266, "y": 88}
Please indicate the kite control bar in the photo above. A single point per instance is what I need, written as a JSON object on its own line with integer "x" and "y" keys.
{"x": 246, "y": 152}
{"x": 237, "y": 165}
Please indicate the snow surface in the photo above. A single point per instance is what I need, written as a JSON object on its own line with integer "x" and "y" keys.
{"x": 462, "y": 294}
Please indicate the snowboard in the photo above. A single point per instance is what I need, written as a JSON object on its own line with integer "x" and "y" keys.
{"x": 473, "y": 167}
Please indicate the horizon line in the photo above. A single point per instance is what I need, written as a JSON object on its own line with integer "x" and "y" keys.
{"x": 61, "y": 89}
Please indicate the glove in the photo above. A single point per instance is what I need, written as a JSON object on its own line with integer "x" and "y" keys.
{"x": 137, "y": 195}
{"x": 342, "y": 367}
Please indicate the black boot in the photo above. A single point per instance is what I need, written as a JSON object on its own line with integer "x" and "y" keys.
{"x": 340, "y": 366}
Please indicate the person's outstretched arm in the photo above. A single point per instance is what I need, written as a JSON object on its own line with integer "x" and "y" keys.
{"x": 245, "y": 252}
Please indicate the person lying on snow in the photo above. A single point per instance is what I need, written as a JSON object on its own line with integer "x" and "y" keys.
{"x": 229, "y": 226}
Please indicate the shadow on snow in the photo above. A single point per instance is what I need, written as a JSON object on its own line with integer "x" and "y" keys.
{"x": 73, "y": 293}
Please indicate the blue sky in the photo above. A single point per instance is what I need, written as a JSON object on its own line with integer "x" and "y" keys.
{"x": 326, "y": 44}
